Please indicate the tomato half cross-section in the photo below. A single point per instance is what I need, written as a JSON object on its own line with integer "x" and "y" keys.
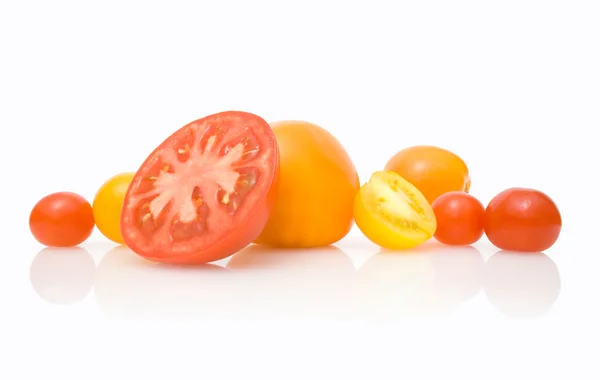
{"x": 393, "y": 213}
{"x": 205, "y": 193}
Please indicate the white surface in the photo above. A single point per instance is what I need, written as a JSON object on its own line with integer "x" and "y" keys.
{"x": 87, "y": 91}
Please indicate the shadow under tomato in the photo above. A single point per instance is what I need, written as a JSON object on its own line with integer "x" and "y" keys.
{"x": 522, "y": 285}
{"x": 428, "y": 280}
{"x": 62, "y": 276}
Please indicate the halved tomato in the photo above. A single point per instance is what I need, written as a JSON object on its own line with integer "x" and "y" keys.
{"x": 205, "y": 193}
{"x": 393, "y": 213}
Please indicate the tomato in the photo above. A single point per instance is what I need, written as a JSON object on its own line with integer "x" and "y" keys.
{"x": 393, "y": 213}
{"x": 317, "y": 184}
{"x": 205, "y": 192}
{"x": 108, "y": 203}
{"x": 432, "y": 170}
{"x": 62, "y": 219}
{"x": 459, "y": 218}
{"x": 521, "y": 219}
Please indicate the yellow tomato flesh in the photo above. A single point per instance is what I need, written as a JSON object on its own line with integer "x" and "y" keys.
{"x": 393, "y": 213}
{"x": 108, "y": 203}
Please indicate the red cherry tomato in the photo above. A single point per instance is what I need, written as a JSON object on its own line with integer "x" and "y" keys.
{"x": 520, "y": 219}
{"x": 459, "y": 218}
{"x": 62, "y": 219}
{"x": 205, "y": 193}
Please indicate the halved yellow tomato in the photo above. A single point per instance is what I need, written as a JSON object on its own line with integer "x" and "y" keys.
{"x": 393, "y": 213}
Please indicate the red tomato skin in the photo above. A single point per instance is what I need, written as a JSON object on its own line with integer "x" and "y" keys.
{"x": 522, "y": 220}
{"x": 62, "y": 219}
{"x": 460, "y": 218}
{"x": 231, "y": 243}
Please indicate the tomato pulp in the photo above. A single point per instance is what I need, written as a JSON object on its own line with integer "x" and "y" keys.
{"x": 521, "y": 219}
{"x": 205, "y": 193}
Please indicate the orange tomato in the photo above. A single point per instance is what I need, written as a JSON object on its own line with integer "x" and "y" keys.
{"x": 317, "y": 185}
{"x": 432, "y": 170}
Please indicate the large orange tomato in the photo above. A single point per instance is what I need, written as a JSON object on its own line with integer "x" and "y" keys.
{"x": 317, "y": 185}
{"x": 432, "y": 170}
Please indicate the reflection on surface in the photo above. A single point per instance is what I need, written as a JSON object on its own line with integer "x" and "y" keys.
{"x": 301, "y": 281}
{"x": 433, "y": 279}
{"x": 521, "y": 284}
{"x": 62, "y": 276}
{"x": 257, "y": 280}
{"x": 430, "y": 280}
{"x": 126, "y": 284}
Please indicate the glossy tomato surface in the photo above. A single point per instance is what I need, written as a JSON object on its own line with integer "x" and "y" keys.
{"x": 62, "y": 219}
{"x": 459, "y": 218}
{"x": 432, "y": 170}
{"x": 205, "y": 193}
{"x": 317, "y": 184}
{"x": 522, "y": 219}
{"x": 108, "y": 203}
{"x": 392, "y": 213}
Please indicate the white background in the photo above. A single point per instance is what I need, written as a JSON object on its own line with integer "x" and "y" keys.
{"x": 88, "y": 89}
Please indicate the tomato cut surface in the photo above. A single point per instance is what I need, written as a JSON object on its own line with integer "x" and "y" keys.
{"x": 393, "y": 213}
{"x": 205, "y": 193}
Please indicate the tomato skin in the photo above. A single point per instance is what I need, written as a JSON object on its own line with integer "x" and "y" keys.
{"x": 432, "y": 170}
{"x": 108, "y": 203}
{"x": 317, "y": 185}
{"x": 62, "y": 219}
{"x": 460, "y": 218}
{"x": 522, "y": 220}
{"x": 219, "y": 240}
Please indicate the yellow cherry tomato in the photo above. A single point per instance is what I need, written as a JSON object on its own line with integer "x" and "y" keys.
{"x": 393, "y": 213}
{"x": 108, "y": 203}
{"x": 316, "y": 188}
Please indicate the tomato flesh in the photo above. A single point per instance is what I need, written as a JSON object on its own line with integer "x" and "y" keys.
{"x": 392, "y": 213}
{"x": 205, "y": 192}
{"x": 62, "y": 219}
{"x": 459, "y": 218}
{"x": 522, "y": 220}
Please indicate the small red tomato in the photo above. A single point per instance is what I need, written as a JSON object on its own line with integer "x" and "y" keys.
{"x": 459, "y": 218}
{"x": 62, "y": 219}
{"x": 521, "y": 219}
